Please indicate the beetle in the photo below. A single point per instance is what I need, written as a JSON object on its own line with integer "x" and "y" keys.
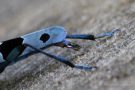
{"x": 14, "y": 50}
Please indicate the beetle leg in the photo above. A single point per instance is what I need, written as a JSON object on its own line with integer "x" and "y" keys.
{"x": 3, "y": 65}
{"x": 69, "y": 44}
{"x": 92, "y": 37}
{"x": 63, "y": 60}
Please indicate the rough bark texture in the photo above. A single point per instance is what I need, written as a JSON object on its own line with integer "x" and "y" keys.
{"x": 114, "y": 56}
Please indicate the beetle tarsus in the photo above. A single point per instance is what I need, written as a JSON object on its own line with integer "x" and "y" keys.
{"x": 85, "y": 67}
{"x": 109, "y": 34}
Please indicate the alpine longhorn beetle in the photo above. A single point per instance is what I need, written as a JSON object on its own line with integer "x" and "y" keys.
{"x": 14, "y": 50}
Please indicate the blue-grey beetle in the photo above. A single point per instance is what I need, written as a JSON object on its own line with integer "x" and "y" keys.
{"x": 14, "y": 50}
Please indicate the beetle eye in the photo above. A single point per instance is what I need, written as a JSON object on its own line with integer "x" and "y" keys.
{"x": 44, "y": 37}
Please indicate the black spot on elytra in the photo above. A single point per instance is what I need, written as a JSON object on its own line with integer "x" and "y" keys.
{"x": 7, "y": 46}
{"x": 44, "y": 37}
